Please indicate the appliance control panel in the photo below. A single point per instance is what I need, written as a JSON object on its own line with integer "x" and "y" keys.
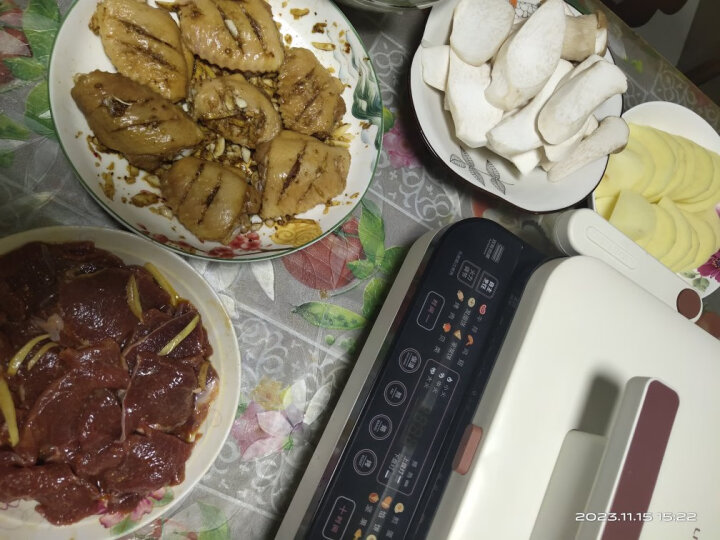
{"x": 433, "y": 359}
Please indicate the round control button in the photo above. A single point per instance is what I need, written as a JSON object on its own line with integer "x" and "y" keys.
{"x": 380, "y": 427}
{"x": 395, "y": 393}
{"x": 409, "y": 360}
{"x": 365, "y": 462}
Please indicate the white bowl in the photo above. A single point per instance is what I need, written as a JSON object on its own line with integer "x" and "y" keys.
{"x": 482, "y": 167}
{"x": 678, "y": 120}
{"x": 23, "y": 521}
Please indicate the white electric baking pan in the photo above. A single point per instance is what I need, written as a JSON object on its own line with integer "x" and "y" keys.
{"x": 504, "y": 395}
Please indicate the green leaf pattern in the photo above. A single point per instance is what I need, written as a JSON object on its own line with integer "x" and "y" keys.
{"x": 331, "y": 316}
{"x": 373, "y": 297}
{"x": 26, "y": 69}
{"x": 40, "y": 24}
{"x": 37, "y": 111}
{"x": 9, "y": 129}
{"x": 379, "y": 267}
{"x": 372, "y": 232}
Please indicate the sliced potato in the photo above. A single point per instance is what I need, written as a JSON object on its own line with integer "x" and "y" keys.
{"x": 679, "y": 163}
{"x": 605, "y": 205}
{"x": 711, "y": 218}
{"x": 702, "y": 177}
{"x": 689, "y": 173}
{"x": 632, "y": 168}
{"x": 706, "y": 241}
{"x": 662, "y": 156}
{"x": 661, "y": 241}
{"x": 633, "y": 215}
{"x": 684, "y": 239}
{"x": 709, "y": 199}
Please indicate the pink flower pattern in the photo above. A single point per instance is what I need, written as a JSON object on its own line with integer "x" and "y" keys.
{"x": 711, "y": 269}
{"x": 110, "y": 519}
{"x": 399, "y": 151}
{"x": 259, "y": 433}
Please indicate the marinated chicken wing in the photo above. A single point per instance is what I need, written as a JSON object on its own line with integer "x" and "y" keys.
{"x": 310, "y": 97}
{"x": 210, "y": 200}
{"x": 233, "y": 34}
{"x": 144, "y": 44}
{"x": 299, "y": 172}
{"x": 133, "y": 120}
{"x": 237, "y": 110}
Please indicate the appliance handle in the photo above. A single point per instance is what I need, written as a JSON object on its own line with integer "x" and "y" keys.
{"x": 584, "y": 232}
{"x": 631, "y": 462}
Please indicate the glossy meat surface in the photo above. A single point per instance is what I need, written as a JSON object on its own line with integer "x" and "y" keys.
{"x": 299, "y": 172}
{"x": 237, "y": 110}
{"x": 310, "y": 97}
{"x": 144, "y": 44}
{"x": 103, "y": 417}
{"x": 233, "y": 34}
{"x": 209, "y": 199}
{"x": 131, "y": 119}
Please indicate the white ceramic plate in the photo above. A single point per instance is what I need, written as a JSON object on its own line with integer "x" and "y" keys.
{"x": 480, "y": 166}
{"x": 679, "y": 120}
{"x": 78, "y": 50}
{"x": 21, "y": 521}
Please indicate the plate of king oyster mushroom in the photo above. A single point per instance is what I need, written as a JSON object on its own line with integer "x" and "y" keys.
{"x": 520, "y": 98}
{"x": 225, "y": 130}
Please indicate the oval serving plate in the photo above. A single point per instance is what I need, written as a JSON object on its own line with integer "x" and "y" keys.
{"x": 20, "y": 520}
{"x": 679, "y": 120}
{"x": 480, "y": 166}
{"x": 78, "y": 50}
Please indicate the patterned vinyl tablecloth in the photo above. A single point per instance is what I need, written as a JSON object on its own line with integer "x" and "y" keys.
{"x": 292, "y": 371}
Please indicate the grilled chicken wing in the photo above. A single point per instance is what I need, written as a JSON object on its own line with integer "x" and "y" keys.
{"x": 132, "y": 119}
{"x": 209, "y": 199}
{"x": 310, "y": 97}
{"x": 144, "y": 44}
{"x": 298, "y": 172}
{"x": 233, "y": 34}
{"x": 237, "y": 110}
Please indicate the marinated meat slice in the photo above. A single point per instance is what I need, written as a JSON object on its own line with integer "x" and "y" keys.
{"x": 160, "y": 394}
{"x": 100, "y": 422}
{"x": 144, "y": 44}
{"x": 209, "y": 199}
{"x": 233, "y": 34}
{"x": 152, "y": 318}
{"x": 64, "y": 498}
{"x": 28, "y": 277}
{"x": 9, "y": 459}
{"x": 131, "y": 119}
{"x": 151, "y": 461}
{"x": 95, "y": 307}
{"x": 29, "y": 384}
{"x": 99, "y": 428}
{"x": 310, "y": 97}
{"x": 237, "y": 110}
{"x": 203, "y": 399}
{"x": 104, "y": 351}
{"x": 152, "y": 295}
{"x": 189, "y": 350}
{"x": 42, "y": 435}
{"x": 299, "y": 172}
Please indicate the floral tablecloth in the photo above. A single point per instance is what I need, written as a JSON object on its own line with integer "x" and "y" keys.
{"x": 292, "y": 369}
